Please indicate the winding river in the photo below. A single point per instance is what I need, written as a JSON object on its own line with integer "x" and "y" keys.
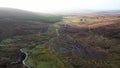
{"x": 26, "y": 57}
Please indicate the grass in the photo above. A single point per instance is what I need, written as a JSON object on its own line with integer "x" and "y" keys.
{"x": 43, "y": 57}
{"x": 90, "y": 20}
{"x": 72, "y": 20}
{"x": 6, "y": 41}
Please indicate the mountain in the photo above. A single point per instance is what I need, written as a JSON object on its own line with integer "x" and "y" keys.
{"x": 110, "y": 12}
{"x": 90, "y": 12}
{"x": 11, "y": 13}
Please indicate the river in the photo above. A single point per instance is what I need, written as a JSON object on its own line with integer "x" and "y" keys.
{"x": 26, "y": 57}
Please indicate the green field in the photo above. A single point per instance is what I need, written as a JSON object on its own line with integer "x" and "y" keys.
{"x": 43, "y": 57}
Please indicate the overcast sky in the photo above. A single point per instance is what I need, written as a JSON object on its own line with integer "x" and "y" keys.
{"x": 61, "y": 5}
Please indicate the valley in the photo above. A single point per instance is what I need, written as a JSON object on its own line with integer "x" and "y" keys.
{"x": 60, "y": 41}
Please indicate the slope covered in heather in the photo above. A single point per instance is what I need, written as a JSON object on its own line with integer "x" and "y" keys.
{"x": 80, "y": 46}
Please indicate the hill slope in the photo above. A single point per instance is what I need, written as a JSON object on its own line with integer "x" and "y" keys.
{"x": 26, "y": 15}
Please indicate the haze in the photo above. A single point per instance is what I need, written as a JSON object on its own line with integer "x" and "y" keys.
{"x": 48, "y": 6}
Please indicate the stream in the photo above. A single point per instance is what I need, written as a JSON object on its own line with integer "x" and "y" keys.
{"x": 26, "y": 57}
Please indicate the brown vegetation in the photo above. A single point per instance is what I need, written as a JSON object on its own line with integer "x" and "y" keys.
{"x": 90, "y": 45}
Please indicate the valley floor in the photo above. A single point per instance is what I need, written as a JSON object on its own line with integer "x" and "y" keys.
{"x": 71, "y": 45}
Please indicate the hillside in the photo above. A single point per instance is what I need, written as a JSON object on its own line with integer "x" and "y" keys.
{"x": 16, "y": 22}
{"x": 18, "y": 28}
{"x": 80, "y": 45}
{"x": 91, "y": 41}
{"x": 10, "y": 13}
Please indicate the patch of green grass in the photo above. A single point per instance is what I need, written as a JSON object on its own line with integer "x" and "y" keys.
{"x": 43, "y": 57}
{"x": 6, "y": 41}
{"x": 72, "y": 20}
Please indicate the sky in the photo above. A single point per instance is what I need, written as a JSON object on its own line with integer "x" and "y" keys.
{"x": 61, "y": 5}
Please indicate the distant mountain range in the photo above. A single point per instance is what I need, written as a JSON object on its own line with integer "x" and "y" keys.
{"x": 82, "y": 12}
